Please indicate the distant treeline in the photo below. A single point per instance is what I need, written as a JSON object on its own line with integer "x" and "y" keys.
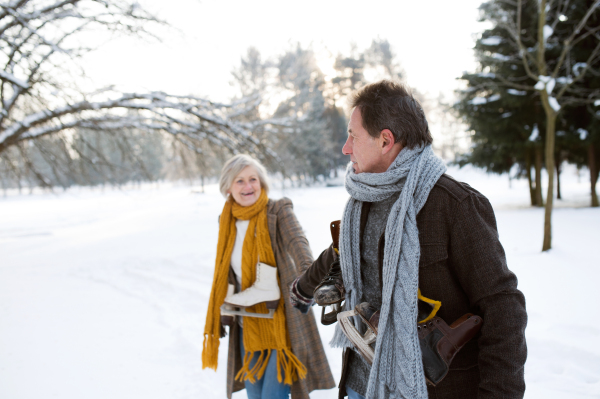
{"x": 297, "y": 113}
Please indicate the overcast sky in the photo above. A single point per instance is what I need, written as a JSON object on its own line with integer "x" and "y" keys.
{"x": 432, "y": 38}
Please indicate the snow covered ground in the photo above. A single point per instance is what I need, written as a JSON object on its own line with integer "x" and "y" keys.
{"x": 103, "y": 294}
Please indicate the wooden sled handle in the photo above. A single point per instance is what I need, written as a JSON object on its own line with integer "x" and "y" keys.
{"x": 335, "y": 233}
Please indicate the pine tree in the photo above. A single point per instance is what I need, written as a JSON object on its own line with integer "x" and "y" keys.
{"x": 550, "y": 47}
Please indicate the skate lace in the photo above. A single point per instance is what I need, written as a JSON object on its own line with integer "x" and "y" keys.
{"x": 334, "y": 275}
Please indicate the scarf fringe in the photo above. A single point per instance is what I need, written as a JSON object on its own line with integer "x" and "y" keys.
{"x": 289, "y": 368}
{"x": 292, "y": 367}
{"x": 210, "y": 351}
{"x": 258, "y": 370}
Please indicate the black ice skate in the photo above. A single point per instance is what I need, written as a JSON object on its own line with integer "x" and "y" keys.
{"x": 439, "y": 341}
{"x": 331, "y": 292}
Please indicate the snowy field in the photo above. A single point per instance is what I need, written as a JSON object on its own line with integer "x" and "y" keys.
{"x": 103, "y": 294}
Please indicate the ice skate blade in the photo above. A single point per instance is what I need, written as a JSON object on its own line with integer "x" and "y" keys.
{"x": 331, "y": 317}
{"x": 369, "y": 337}
{"x": 271, "y": 305}
{"x": 361, "y": 344}
{"x": 244, "y": 313}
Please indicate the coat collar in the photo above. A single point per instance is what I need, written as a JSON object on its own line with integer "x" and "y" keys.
{"x": 272, "y": 222}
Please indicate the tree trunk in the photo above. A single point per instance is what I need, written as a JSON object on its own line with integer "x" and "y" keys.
{"x": 594, "y": 171}
{"x": 529, "y": 179}
{"x": 539, "y": 201}
{"x": 550, "y": 137}
{"x": 558, "y": 164}
{"x": 550, "y": 113}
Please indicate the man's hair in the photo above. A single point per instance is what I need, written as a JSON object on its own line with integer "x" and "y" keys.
{"x": 234, "y": 167}
{"x": 391, "y": 105}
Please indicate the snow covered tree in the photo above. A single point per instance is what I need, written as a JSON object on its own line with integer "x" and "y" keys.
{"x": 350, "y": 76}
{"x": 381, "y": 59}
{"x": 557, "y": 44}
{"x": 505, "y": 122}
{"x": 40, "y": 44}
{"x": 579, "y": 135}
{"x": 308, "y": 127}
{"x": 354, "y": 70}
{"x": 307, "y": 145}
{"x": 305, "y": 127}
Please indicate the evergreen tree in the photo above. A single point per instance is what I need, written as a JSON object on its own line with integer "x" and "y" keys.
{"x": 551, "y": 47}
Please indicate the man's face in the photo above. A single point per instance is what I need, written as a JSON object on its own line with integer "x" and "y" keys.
{"x": 364, "y": 150}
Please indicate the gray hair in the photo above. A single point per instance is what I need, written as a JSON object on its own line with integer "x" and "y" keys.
{"x": 234, "y": 167}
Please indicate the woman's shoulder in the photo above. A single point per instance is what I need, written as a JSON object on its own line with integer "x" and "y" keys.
{"x": 275, "y": 206}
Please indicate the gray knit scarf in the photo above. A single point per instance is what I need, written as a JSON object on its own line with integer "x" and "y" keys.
{"x": 397, "y": 370}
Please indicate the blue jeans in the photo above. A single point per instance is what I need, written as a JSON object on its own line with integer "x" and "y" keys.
{"x": 267, "y": 387}
{"x": 352, "y": 394}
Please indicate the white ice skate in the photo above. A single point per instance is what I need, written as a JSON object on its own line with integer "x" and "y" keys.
{"x": 264, "y": 290}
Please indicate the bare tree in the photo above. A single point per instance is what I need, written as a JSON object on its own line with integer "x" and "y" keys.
{"x": 556, "y": 78}
{"x": 40, "y": 44}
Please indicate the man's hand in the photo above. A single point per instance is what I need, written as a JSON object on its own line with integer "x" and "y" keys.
{"x": 298, "y": 299}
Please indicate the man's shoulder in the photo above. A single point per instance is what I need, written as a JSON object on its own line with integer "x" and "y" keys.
{"x": 451, "y": 189}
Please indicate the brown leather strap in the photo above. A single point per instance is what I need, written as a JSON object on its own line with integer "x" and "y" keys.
{"x": 335, "y": 233}
{"x": 457, "y": 335}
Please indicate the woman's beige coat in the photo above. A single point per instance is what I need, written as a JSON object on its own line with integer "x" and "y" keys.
{"x": 293, "y": 256}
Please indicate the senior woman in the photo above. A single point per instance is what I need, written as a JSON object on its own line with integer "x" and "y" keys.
{"x": 269, "y": 357}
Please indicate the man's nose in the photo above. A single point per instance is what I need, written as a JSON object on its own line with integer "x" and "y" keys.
{"x": 347, "y": 148}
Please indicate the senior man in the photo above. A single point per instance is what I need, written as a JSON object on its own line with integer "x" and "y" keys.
{"x": 407, "y": 227}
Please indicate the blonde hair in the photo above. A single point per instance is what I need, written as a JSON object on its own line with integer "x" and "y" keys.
{"x": 234, "y": 167}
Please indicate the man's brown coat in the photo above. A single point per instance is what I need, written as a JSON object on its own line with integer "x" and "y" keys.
{"x": 463, "y": 265}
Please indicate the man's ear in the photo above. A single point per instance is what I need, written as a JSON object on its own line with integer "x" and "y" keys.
{"x": 387, "y": 140}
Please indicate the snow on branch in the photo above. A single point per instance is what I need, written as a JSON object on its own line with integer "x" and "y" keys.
{"x": 37, "y": 43}
{"x": 484, "y": 100}
{"x": 175, "y": 115}
{"x": 11, "y": 78}
{"x": 548, "y": 31}
{"x": 491, "y": 41}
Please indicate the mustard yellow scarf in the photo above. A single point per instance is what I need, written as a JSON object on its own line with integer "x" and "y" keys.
{"x": 260, "y": 335}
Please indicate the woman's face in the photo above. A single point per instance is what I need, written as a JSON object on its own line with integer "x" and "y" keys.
{"x": 245, "y": 188}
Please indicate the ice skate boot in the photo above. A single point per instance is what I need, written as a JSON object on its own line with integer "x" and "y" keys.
{"x": 330, "y": 292}
{"x": 369, "y": 315}
{"x": 439, "y": 342}
{"x": 264, "y": 290}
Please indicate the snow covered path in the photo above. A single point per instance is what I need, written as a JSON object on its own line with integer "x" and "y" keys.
{"x": 104, "y": 294}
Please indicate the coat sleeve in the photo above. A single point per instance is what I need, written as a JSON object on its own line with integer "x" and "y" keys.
{"x": 293, "y": 238}
{"x": 479, "y": 263}
{"x": 316, "y": 272}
